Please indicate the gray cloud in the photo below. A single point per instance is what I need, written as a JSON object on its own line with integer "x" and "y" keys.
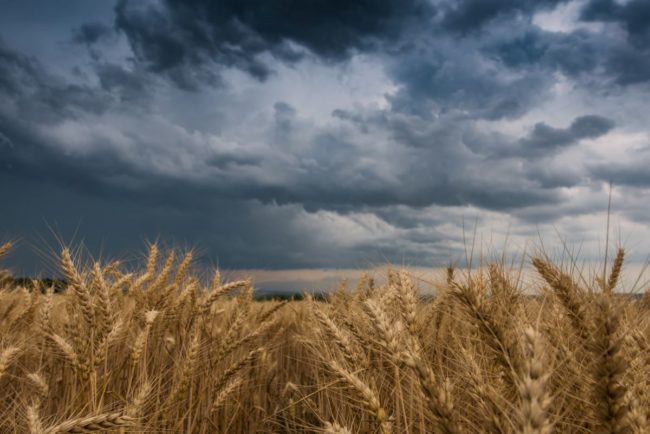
{"x": 477, "y": 111}
{"x": 543, "y": 141}
{"x": 337, "y": 181}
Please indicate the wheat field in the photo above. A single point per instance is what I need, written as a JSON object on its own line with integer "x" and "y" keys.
{"x": 160, "y": 350}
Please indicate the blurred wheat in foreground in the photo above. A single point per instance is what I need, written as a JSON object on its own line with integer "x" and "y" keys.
{"x": 159, "y": 351}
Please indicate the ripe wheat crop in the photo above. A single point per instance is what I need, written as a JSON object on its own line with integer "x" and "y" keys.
{"x": 161, "y": 350}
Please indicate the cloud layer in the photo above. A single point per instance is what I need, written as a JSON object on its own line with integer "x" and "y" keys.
{"x": 330, "y": 134}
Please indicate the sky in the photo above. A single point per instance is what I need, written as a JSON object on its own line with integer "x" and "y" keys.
{"x": 324, "y": 134}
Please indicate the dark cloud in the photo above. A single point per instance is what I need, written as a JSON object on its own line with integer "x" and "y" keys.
{"x": 596, "y": 60}
{"x": 538, "y": 157}
{"x": 589, "y": 127}
{"x": 448, "y": 79}
{"x": 552, "y": 176}
{"x": 545, "y": 139}
{"x": 520, "y": 50}
{"x": 471, "y": 15}
{"x": 190, "y": 40}
{"x": 593, "y": 59}
{"x": 116, "y": 225}
{"x": 434, "y": 171}
{"x": 633, "y": 15}
{"x": 226, "y": 161}
{"x": 4, "y": 141}
{"x": 39, "y": 96}
{"x": 429, "y": 164}
{"x": 284, "y": 114}
{"x": 633, "y": 171}
{"x": 91, "y": 33}
{"x": 16, "y": 71}
{"x": 356, "y": 118}
{"x": 631, "y": 174}
{"x": 127, "y": 86}
{"x": 228, "y": 232}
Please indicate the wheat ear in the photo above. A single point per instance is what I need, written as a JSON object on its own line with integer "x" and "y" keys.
{"x": 535, "y": 400}
{"x": 104, "y": 311}
{"x": 612, "y": 408}
{"x": 387, "y": 330}
{"x": 182, "y": 269}
{"x": 6, "y": 357}
{"x": 616, "y": 270}
{"x": 335, "y": 428}
{"x": 496, "y": 336}
{"x": 4, "y": 249}
{"x": 39, "y": 383}
{"x": 140, "y": 399}
{"x": 225, "y": 392}
{"x": 188, "y": 367}
{"x": 141, "y": 339}
{"x": 34, "y": 420}
{"x": 570, "y": 295}
{"x": 102, "y": 422}
{"x": 220, "y": 291}
{"x": 234, "y": 369}
{"x": 438, "y": 395}
{"x": 369, "y": 397}
{"x": 78, "y": 287}
{"x": 340, "y": 338}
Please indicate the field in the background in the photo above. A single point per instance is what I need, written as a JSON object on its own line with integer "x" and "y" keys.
{"x": 159, "y": 351}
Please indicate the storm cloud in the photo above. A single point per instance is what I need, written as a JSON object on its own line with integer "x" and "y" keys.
{"x": 287, "y": 134}
{"x": 186, "y": 40}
